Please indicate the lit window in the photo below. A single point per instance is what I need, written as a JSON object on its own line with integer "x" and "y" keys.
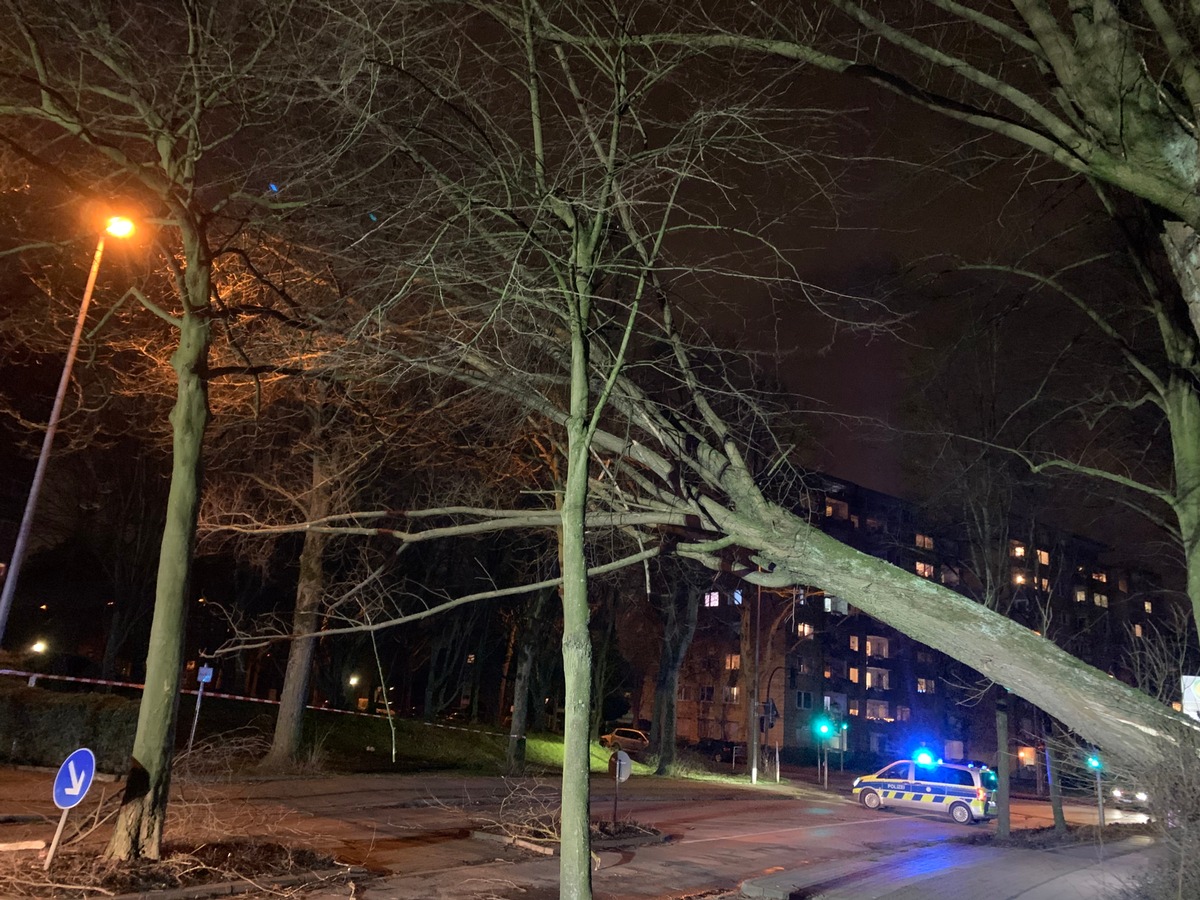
{"x": 804, "y": 630}
{"x": 1100, "y": 577}
{"x": 852, "y": 707}
{"x": 1137, "y": 630}
{"x": 925, "y": 570}
{"x": 877, "y": 678}
{"x": 712, "y": 598}
{"x": 854, "y": 642}
{"x": 1100, "y": 600}
{"x": 804, "y": 667}
{"x": 837, "y": 509}
{"x": 926, "y": 686}
{"x": 705, "y": 693}
{"x": 854, "y": 521}
{"x": 1044, "y": 584}
{"x": 729, "y": 693}
{"x": 854, "y": 674}
{"x": 1148, "y": 606}
{"x": 733, "y": 660}
{"x": 1016, "y": 549}
{"x": 924, "y": 541}
{"x": 877, "y": 646}
{"x": 874, "y": 525}
{"x": 470, "y": 659}
{"x": 737, "y": 598}
{"x": 803, "y": 700}
{"x": 877, "y": 709}
{"x": 903, "y": 713}
{"x": 1043, "y": 557}
{"x": 1080, "y": 595}
{"x": 1019, "y": 577}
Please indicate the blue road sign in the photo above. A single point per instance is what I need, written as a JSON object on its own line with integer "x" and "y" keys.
{"x": 74, "y": 778}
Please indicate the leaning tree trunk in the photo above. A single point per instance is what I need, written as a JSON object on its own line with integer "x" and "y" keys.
{"x": 139, "y": 826}
{"x": 310, "y": 588}
{"x": 1101, "y": 709}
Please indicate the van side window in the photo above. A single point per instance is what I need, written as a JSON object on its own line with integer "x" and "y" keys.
{"x": 947, "y": 775}
{"x": 898, "y": 772}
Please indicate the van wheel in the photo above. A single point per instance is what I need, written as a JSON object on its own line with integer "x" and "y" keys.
{"x": 961, "y": 813}
{"x": 870, "y": 800}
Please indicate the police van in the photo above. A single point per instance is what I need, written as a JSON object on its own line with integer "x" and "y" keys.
{"x": 967, "y": 793}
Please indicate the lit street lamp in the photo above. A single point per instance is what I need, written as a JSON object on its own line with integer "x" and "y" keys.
{"x": 118, "y": 226}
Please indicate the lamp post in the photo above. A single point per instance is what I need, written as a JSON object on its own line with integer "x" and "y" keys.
{"x": 118, "y": 226}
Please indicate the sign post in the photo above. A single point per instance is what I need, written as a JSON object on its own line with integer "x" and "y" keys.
{"x": 204, "y": 676}
{"x": 619, "y": 766}
{"x": 70, "y": 786}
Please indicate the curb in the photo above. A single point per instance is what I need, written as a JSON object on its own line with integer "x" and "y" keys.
{"x": 233, "y": 888}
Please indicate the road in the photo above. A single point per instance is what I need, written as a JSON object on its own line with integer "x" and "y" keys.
{"x": 720, "y": 836}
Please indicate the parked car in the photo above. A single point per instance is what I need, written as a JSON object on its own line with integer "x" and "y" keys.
{"x": 631, "y": 740}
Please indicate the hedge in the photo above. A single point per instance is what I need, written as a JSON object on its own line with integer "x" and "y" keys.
{"x": 41, "y": 727}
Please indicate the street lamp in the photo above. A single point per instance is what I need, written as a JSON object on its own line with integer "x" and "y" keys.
{"x": 117, "y": 226}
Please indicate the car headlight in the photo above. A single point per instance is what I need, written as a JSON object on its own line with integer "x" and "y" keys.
{"x": 856, "y": 781}
{"x": 1116, "y": 792}
{"x": 1141, "y": 796}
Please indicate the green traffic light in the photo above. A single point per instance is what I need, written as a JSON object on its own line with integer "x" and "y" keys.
{"x": 1094, "y": 761}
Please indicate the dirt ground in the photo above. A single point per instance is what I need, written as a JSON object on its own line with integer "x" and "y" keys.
{"x": 209, "y": 839}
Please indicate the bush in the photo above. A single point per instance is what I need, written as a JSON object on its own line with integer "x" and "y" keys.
{"x": 41, "y": 728}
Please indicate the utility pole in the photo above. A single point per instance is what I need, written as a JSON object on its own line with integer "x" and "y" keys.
{"x": 755, "y": 710}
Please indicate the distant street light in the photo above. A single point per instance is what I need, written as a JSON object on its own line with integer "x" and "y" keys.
{"x": 38, "y": 647}
{"x": 117, "y": 226}
{"x": 353, "y": 680}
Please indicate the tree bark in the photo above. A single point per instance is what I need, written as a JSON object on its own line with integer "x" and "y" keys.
{"x": 1003, "y": 779}
{"x": 142, "y": 816}
{"x": 515, "y": 763}
{"x": 310, "y": 589}
{"x": 679, "y": 627}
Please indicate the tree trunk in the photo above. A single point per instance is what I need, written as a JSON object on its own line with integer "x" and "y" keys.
{"x": 510, "y": 649}
{"x": 1053, "y": 779}
{"x": 310, "y": 589}
{"x": 1003, "y": 780}
{"x": 139, "y": 826}
{"x": 575, "y": 866}
{"x": 679, "y": 626}
{"x": 515, "y": 763}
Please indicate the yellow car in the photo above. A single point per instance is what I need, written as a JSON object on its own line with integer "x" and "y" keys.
{"x": 966, "y": 793}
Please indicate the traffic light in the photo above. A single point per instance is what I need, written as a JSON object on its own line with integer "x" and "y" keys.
{"x": 1093, "y": 762}
{"x": 823, "y": 726}
{"x": 770, "y": 712}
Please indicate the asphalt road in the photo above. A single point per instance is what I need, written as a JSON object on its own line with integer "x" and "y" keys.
{"x": 770, "y": 841}
{"x": 417, "y": 836}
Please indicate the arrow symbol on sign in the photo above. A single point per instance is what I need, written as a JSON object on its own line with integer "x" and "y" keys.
{"x": 76, "y": 781}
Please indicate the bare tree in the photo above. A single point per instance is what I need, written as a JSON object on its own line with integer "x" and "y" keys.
{"x": 172, "y": 129}
{"x": 1108, "y": 92}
